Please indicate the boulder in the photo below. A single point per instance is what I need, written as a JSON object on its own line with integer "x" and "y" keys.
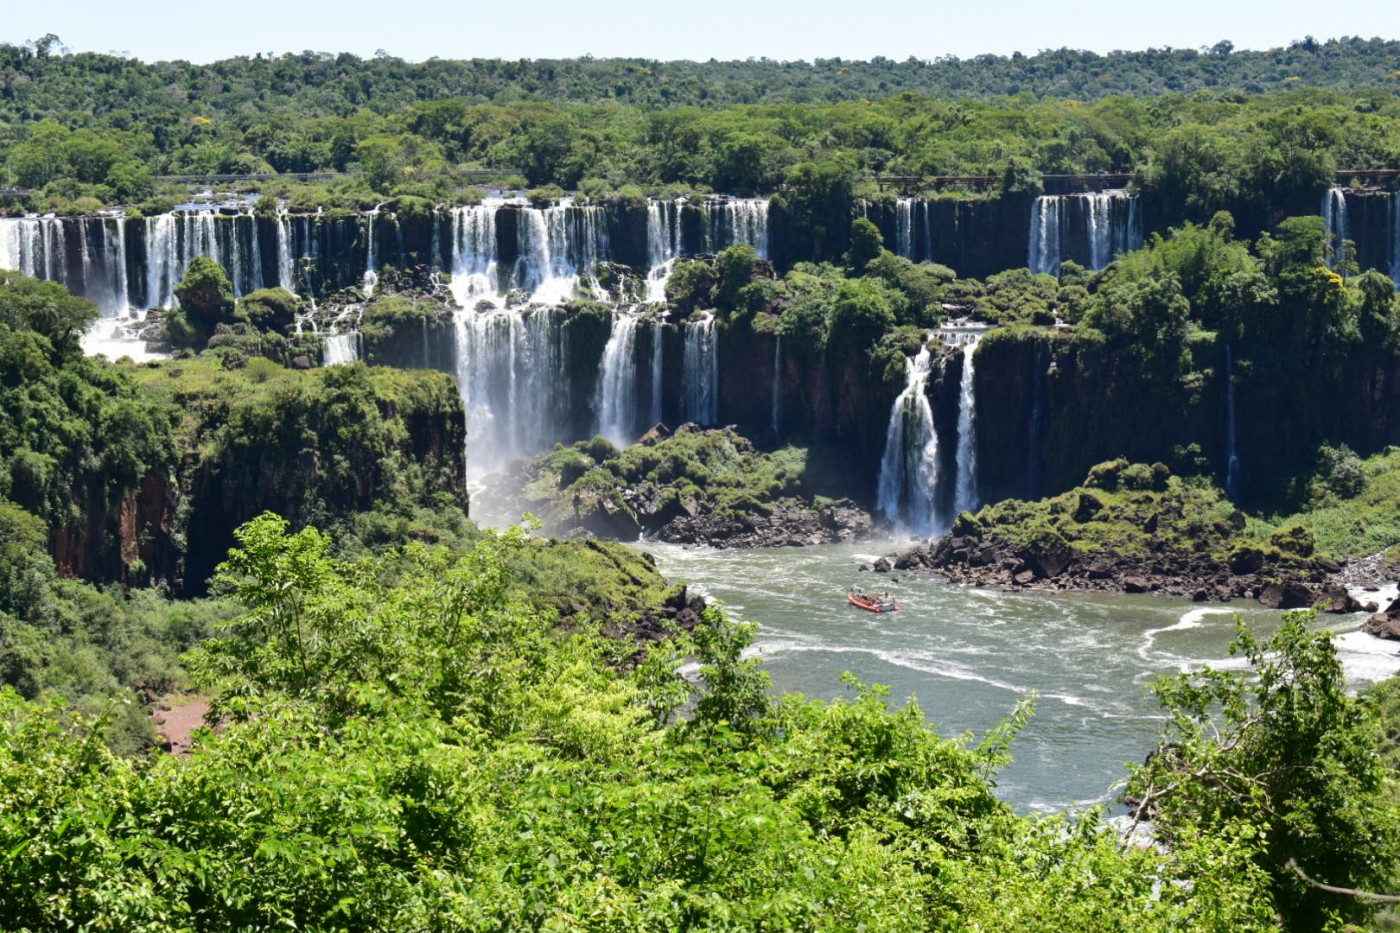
{"x": 1382, "y": 625}
{"x": 1136, "y": 583}
{"x": 1289, "y": 594}
{"x": 1335, "y": 598}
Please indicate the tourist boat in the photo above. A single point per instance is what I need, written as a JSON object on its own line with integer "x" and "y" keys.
{"x": 870, "y": 602}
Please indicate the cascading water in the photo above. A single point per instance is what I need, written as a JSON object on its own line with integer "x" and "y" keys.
{"x": 1334, "y": 215}
{"x": 663, "y": 245}
{"x": 510, "y": 368}
{"x": 1046, "y": 215}
{"x": 904, "y": 227}
{"x": 1099, "y": 214}
{"x": 965, "y": 495}
{"x": 737, "y": 220}
{"x": 474, "y": 252}
{"x": 1232, "y": 457}
{"x": 616, "y": 397}
{"x": 909, "y": 467}
{"x": 1089, "y": 228}
{"x": 701, "y": 372}
{"x": 286, "y": 273}
{"x": 657, "y": 332}
{"x": 341, "y": 349}
{"x": 371, "y": 277}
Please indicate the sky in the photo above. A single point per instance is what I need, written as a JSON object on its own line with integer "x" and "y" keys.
{"x": 154, "y": 30}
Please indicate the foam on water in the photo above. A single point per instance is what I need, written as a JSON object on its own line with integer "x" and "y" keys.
{"x": 968, "y": 655}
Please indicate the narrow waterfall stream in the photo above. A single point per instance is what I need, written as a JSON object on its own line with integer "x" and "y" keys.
{"x": 965, "y": 497}
{"x": 702, "y": 372}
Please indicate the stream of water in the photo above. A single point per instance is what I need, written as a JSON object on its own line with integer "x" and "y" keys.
{"x": 969, "y": 654}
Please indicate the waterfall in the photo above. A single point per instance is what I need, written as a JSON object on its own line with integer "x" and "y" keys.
{"x": 1100, "y": 219}
{"x": 511, "y": 373}
{"x": 657, "y": 334}
{"x": 341, "y": 349}
{"x": 616, "y": 398}
{"x": 162, "y": 260}
{"x": 1232, "y": 457}
{"x": 1132, "y": 235}
{"x": 1334, "y": 214}
{"x": 371, "y": 277}
{"x": 663, "y": 245}
{"x": 474, "y": 252}
{"x": 1088, "y": 228}
{"x": 737, "y": 220}
{"x": 701, "y": 372}
{"x": 255, "y": 280}
{"x": 965, "y": 495}
{"x": 775, "y": 418}
{"x": 909, "y": 467}
{"x": 286, "y": 274}
{"x": 557, "y": 246}
{"x": 114, "y": 243}
{"x": 1046, "y": 215}
{"x": 904, "y": 227}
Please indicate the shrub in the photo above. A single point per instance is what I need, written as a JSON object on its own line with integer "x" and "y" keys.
{"x": 1295, "y": 539}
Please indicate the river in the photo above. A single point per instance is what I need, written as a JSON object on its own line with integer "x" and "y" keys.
{"x": 969, "y": 654}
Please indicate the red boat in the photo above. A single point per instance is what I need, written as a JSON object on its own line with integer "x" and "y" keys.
{"x": 870, "y": 602}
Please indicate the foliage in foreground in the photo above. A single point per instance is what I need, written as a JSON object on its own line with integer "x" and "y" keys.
{"x": 408, "y": 746}
{"x": 1280, "y": 757}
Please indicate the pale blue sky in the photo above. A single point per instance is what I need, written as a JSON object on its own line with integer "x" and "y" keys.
{"x": 419, "y": 29}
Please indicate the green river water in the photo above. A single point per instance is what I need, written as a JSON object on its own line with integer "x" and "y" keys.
{"x": 969, "y": 654}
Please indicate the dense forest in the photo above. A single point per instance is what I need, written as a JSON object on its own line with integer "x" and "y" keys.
{"x": 87, "y": 130}
{"x": 416, "y": 723}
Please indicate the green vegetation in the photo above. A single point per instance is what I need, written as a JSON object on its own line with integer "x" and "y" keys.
{"x": 692, "y": 471}
{"x": 1282, "y": 761}
{"x": 407, "y": 745}
{"x": 1129, "y": 510}
{"x": 1220, "y": 130}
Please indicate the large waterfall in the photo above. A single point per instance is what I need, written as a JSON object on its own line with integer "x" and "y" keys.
{"x": 702, "y": 372}
{"x": 965, "y": 497}
{"x": 616, "y": 397}
{"x": 510, "y": 368}
{"x": 1089, "y": 229}
{"x": 909, "y": 468}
